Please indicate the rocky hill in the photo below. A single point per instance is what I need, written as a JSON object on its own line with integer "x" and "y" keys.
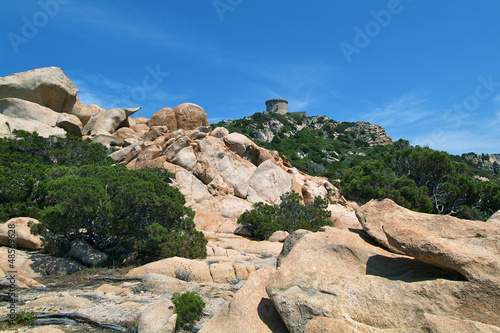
{"x": 380, "y": 268}
{"x": 487, "y": 162}
{"x": 313, "y": 144}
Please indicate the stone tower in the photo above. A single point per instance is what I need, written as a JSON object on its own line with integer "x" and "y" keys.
{"x": 278, "y": 105}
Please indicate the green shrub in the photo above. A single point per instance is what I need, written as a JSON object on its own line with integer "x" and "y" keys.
{"x": 289, "y": 215}
{"x": 22, "y": 318}
{"x": 260, "y": 221}
{"x": 188, "y": 307}
{"x": 71, "y": 186}
{"x": 112, "y": 207}
{"x": 70, "y": 151}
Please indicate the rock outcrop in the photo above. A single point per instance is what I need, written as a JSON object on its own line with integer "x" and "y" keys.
{"x": 220, "y": 173}
{"x": 48, "y": 87}
{"x": 164, "y": 117}
{"x": 159, "y": 317}
{"x": 45, "y": 101}
{"x": 87, "y": 254}
{"x": 344, "y": 279}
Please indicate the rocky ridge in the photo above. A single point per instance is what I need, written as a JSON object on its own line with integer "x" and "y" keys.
{"x": 265, "y": 128}
{"x": 381, "y": 268}
{"x": 488, "y": 162}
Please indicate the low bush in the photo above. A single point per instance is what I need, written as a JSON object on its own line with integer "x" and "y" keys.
{"x": 289, "y": 215}
{"x": 188, "y": 307}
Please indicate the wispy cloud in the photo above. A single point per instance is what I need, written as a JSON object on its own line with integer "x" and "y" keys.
{"x": 404, "y": 110}
{"x": 112, "y": 20}
{"x": 461, "y": 141}
{"x": 496, "y": 121}
{"x": 108, "y": 94}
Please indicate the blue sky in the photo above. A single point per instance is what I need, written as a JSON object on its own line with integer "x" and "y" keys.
{"x": 426, "y": 70}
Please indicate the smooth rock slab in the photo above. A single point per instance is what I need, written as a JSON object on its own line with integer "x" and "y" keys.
{"x": 159, "y": 317}
{"x": 18, "y": 108}
{"x": 345, "y": 276}
{"x": 471, "y": 248}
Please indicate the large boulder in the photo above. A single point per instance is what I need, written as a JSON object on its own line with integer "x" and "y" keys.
{"x": 215, "y": 160}
{"x": 17, "y": 230}
{"x": 240, "y": 144}
{"x": 341, "y": 278}
{"x": 164, "y": 117}
{"x": 189, "y": 116}
{"x": 220, "y": 132}
{"x": 18, "y": 108}
{"x": 49, "y": 87}
{"x": 107, "y": 140}
{"x": 190, "y": 186}
{"x": 468, "y": 247}
{"x": 166, "y": 284}
{"x": 86, "y": 253}
{"x": 35, "y": 264}
{"x": 289, "y": 243}
{"x": 127, "y": 134}
{"x": 249, "y": 311}
{"x": 198, "y": 270}
{"x": 186, "y": 158}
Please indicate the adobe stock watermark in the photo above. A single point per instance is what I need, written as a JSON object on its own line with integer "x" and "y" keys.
{"x": 363, "y": 37}
{"x": 48, "y": 9}
{"x": 11, "y": 274}
{"x": 223, "y": 6}
{"x": 151, "y": 81}
{"x": 454, "y": 116}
